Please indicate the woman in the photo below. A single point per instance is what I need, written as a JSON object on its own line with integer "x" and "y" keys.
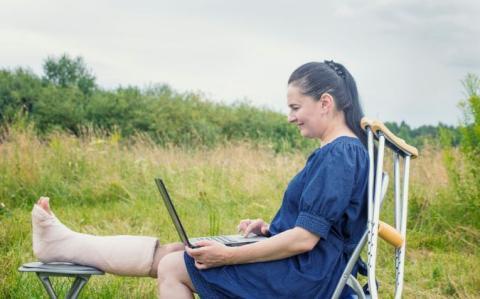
{"x": 322, "y": 217}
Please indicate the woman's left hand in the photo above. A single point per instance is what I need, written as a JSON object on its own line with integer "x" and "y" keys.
{"x": 210, "y": 254}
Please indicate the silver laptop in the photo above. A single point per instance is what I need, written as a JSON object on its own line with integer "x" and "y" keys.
{"x": 228, "y": 240}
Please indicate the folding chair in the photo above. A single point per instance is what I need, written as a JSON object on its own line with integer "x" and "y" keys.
{"x": 377, "y": 187}
{"x": 44, "y": 271}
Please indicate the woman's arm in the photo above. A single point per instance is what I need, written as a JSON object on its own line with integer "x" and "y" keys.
{"x": 288, "y": 243}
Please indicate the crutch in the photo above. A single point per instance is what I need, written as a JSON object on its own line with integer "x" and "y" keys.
{"x": 377, "y": 187}
{"x": 375, "y": 228}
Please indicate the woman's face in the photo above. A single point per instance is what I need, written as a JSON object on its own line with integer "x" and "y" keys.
{"x": 306, "y": 113}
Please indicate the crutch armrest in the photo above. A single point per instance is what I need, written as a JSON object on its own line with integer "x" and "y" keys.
{"x": 366, "y": 122}
{"x": 390, "y": 234}
{"x": 396, "y": 143}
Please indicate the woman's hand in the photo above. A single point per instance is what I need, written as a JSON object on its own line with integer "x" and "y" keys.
{"x": 210, "y": 254}
{"x": 257, "y": 226}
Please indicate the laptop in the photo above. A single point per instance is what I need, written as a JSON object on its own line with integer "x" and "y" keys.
{"x": 228, "y": 240}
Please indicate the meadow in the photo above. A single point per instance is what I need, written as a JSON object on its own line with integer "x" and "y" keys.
{"x": 95, "y": 153}
{"x": 103, "y": 184}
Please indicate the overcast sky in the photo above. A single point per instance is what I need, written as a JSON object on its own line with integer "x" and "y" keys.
{"x": 408, "y": 57}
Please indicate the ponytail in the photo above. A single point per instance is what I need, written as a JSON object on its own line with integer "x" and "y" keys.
{"x": 353, "y": 110}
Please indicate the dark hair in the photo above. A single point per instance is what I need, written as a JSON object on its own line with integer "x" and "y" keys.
{"x": 317, "y": 78}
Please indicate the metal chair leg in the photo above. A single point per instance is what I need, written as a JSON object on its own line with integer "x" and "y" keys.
{"x": 74, "y": 291}
{"x": 77, "y": 286}
{"x": 44, "y": 278}
{"x": 355, "y": 285}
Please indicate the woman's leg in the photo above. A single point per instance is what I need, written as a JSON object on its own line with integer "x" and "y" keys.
{"x": 160, "y": 252}
{"x": 173, "y": 278}
{"x": 121, "y": 255}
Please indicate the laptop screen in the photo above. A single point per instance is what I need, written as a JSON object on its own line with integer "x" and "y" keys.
{"x": 172, "y": 212}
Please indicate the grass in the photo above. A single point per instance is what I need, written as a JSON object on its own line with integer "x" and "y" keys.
{"x": 102, "y": 185}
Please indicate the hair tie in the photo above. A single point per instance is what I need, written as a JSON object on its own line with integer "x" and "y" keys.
{"x": 334, "y": 66}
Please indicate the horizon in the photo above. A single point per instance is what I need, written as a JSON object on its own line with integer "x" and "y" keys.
{"x": 203, "y": 97}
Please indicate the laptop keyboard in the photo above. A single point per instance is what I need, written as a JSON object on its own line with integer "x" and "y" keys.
{"x": 221, "y": 239}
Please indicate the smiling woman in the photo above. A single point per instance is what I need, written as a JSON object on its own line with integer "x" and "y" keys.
{"x": 314, "y": 91}
{"x": 323, "y": 214}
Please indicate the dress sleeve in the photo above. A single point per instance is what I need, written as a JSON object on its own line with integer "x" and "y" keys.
{"x": 328, "y": 189}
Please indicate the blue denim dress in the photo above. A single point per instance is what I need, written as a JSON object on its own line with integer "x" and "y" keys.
{"x": 328, "y": 197}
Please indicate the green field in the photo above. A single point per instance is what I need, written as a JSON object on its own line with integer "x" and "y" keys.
{"x": 103, "y": 185}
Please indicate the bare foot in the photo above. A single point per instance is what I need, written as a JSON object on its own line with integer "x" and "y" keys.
{"x": 43, "y": 202}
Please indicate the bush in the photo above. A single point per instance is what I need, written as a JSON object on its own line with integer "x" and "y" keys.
{"x": 464, "y": 169}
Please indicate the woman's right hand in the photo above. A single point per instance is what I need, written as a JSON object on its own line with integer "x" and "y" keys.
{"x": 256, "y": 226}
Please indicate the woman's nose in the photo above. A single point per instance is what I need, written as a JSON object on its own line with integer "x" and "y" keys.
{"x": 291, "y": 118}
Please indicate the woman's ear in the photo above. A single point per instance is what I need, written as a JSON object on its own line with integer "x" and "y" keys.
{"x": 327, "y": 102}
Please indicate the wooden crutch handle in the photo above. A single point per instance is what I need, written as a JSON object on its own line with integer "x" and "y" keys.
{"x": 398, "y": 143}
{"x": 390, "y": 234}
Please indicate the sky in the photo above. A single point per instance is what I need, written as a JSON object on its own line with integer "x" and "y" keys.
{"x": 408, "y": 57}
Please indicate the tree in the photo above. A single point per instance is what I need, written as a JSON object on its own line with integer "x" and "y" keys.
{"x": 19, "y": 91}
{"x": 68, "y": 72}
{"x": 471, "y": 111}
{"x": 59, "y": 108}
{"x": 464, "y": 173}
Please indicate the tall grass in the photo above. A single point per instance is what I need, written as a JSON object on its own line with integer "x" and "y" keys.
{"x": 101, "y": 185}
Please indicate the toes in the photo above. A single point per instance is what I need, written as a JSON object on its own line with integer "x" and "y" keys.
{"x": 44, "y": 203}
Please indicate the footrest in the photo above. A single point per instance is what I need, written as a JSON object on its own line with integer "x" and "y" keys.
{"x": 60, "y": 268}
{"x": 44, "y": 271}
